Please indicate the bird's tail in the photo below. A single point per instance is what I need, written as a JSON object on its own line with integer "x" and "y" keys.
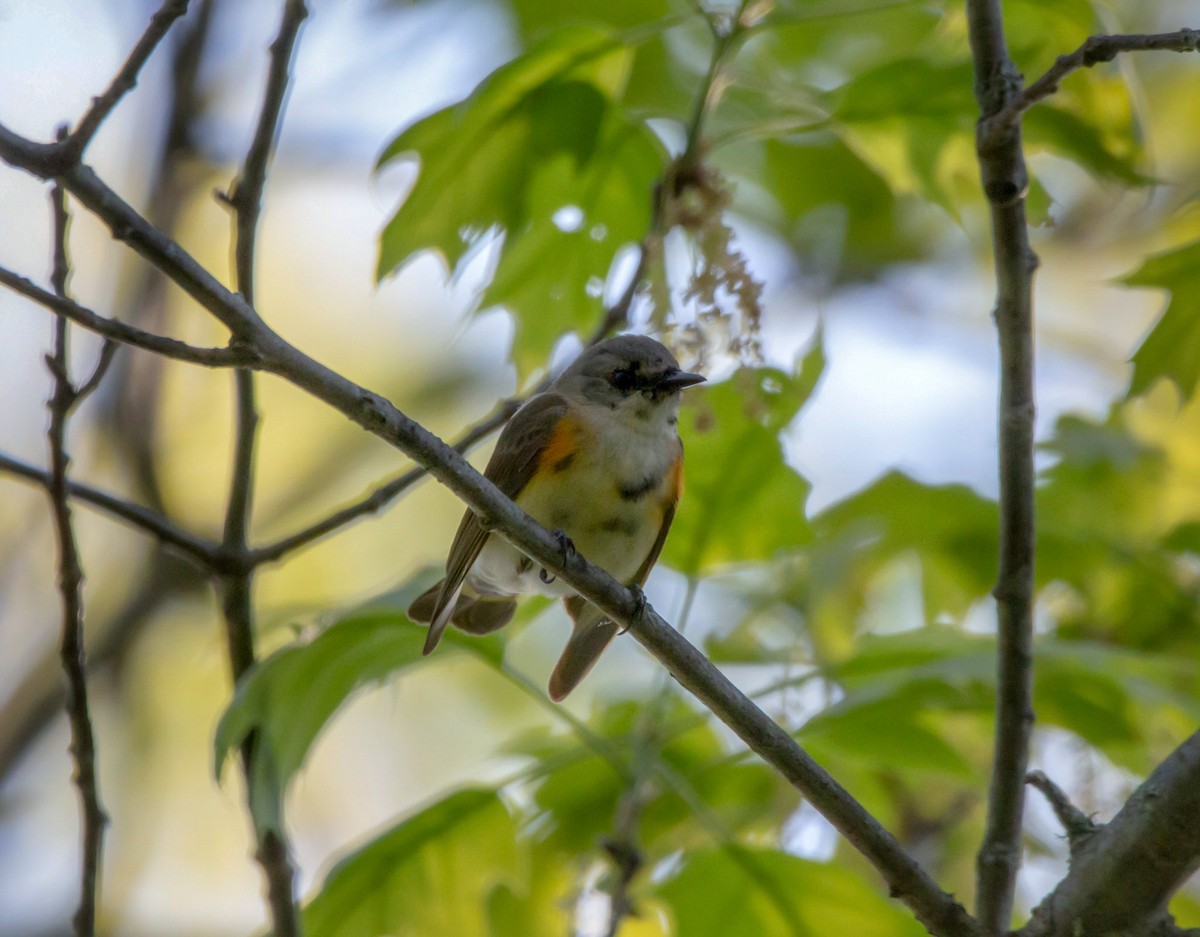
{"x": 591, "y": 634}
{"x": 474, "y": 614}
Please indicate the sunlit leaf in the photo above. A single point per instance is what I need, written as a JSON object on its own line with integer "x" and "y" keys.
{"x": 1079, "y": 139}
{"x": 949, "y": 528}
{"x": 1102, "y": 694}
{"x": 542, "y": 907}
{"x": 430, "y": 876}
{"x": 288, "y": 698}
{"x": 1172, "y": 349}
{"x": 760, "y": 893}
{"x": 540, "y": 153}
{"x": 658, "y": 82}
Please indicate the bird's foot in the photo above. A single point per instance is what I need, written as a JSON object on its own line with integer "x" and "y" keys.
{"x": 566, "y": 547}
{"x": 639, "y": 599}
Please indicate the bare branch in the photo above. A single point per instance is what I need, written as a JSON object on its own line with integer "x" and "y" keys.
{"x": 103, "y": 362}
{"x": 125, "y": 80}
{"x": 1122, "y": 876}
{"x": 70, "y": 584}
{"x": 1075, "y": 823}
{"x": 1095, "y": 49}
{"x": 1004, "y": 178}
{"x": 236, "y": 586}
{"x": 165, "y": 575}
{"x": 382, "y": 496}
{"x": 117, "y": 331}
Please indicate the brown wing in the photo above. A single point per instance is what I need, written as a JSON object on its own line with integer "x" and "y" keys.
{"x": 512, "y": 465}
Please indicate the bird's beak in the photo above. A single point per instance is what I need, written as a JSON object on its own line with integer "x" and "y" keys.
{"x": 678, "y": 380}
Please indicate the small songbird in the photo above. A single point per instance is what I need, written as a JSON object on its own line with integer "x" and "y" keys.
{"x": 597, "y": 459}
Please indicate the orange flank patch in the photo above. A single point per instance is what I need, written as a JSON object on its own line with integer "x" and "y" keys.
{"x": 561, "y": 448}
{"x": 677, "y": 478}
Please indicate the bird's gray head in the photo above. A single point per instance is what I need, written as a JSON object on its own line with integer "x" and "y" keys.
{"x": 629, "y": 372}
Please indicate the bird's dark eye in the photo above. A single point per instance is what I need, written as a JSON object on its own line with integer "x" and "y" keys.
{"x": 623, "y": 379}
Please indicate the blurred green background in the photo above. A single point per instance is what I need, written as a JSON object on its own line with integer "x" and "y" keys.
{"x": 835, "y": 547}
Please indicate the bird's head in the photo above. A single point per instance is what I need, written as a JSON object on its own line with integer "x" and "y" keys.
{"x": 630, "y": 373}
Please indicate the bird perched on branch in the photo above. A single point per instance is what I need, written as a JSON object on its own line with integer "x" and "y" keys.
{"x": 596, "y": 458}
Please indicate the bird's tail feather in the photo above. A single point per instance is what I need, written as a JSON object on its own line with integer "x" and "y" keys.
{"x": 591, "y": 634}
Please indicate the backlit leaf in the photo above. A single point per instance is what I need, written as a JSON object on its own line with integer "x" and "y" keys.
{"x": 429, "y": 876}
{"x": 1172, "y": 349}
{"x": 761, "y": 893}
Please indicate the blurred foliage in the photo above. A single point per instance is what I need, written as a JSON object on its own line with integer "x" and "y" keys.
{"x": 849, "y": 136}
{"x": 844, "y": 131}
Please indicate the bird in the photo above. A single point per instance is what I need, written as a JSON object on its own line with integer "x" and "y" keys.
{"x": 597, "y": 459}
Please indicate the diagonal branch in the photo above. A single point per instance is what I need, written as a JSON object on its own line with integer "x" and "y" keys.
{"x": 125, "y": 80}
{"x": 70, "y": 584}
{"x": 383, "y": 495}
{"x": 1095, "y": 50}
{"x": 117, "y": 331}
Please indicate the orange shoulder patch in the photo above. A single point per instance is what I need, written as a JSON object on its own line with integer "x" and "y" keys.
{"x": 561, "y": 448}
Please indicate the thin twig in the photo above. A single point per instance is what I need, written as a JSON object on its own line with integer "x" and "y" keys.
{"x": 1075, "y": 823}
{"x": 108, "y": 351}
{"x": 125, "y": 80}
{"x": 1004, "y": 177}
{"x": 70, "y": 584}
{"x": 165, "y": 576}
{"x": 117, "y": 331}
{"x": 382, "y": 496}
{"x": 203, "y": 551}
{"x": 237, "y": 603}
{"x": 1094, "y": 50}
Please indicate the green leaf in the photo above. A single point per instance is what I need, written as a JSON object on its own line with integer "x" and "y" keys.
{"x": 430, "y": 876}
{"x": 835, "y": 207}
{"x": 1172, "y": 349}
{"x": 891, "y": 738}
{"x": 760, "y": 893}
{"x": 912, "y": 121}
{"x": 1081, "y": 140}
{"x": 1114, "y": 699}
{"x": 656, "y": 84}
{"x": 541, "y": 153}
{"x": 743, "y": 502}
{"x": 551, "y": 274}
{"x": 950, "y": 528}
{"x": 581, "y": 791}
{"x": 288, "y": 698}
{"x": 542, "y": 908}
